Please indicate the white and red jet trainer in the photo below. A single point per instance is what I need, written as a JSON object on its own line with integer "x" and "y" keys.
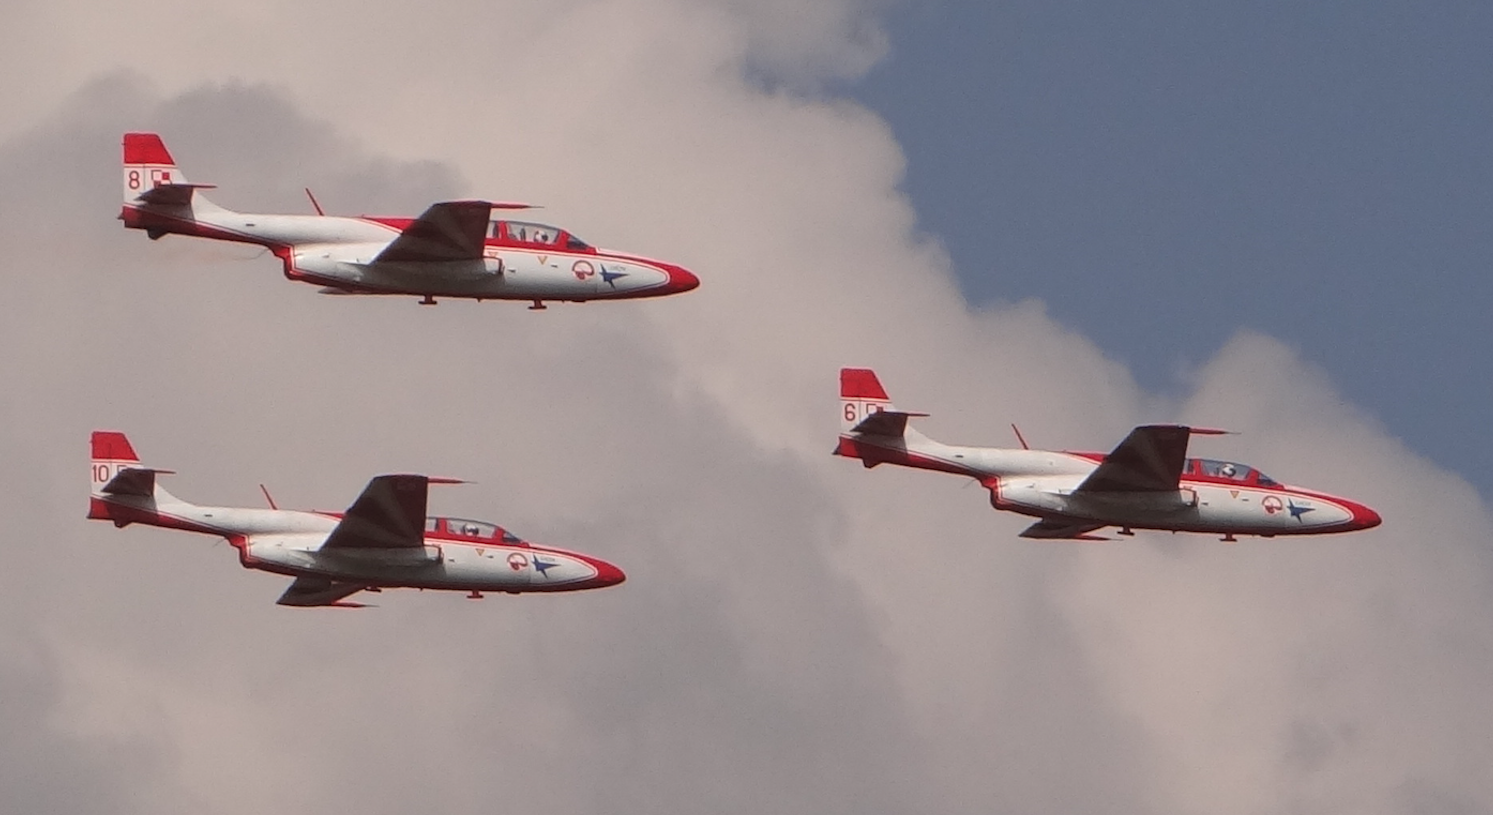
{"x": 383, "y": 541}
{"x": 454, "y": 249}
{"x": 1145, "y": 483}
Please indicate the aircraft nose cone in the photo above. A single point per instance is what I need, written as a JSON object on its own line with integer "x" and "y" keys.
{"x": 1363, "y": 517}
{"x": 680, "y": 279}
{"x": 606, "y": 573}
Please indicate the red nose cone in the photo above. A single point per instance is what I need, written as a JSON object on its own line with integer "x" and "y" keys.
{"x": 681, "y": 279}
{"x": 1363, "y": 517}
{"x": 606, "y": 573}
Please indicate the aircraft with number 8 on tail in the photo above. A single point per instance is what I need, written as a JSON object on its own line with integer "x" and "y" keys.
{"x": 383, "y": 541}
{"x": 454, "y": 249}
{"x": 1147, "y": 482}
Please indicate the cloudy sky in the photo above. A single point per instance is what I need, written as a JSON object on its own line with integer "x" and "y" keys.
{"x": 1053, "y": 214}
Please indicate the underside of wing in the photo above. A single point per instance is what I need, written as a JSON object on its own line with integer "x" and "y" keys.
{"x": 311, "y": 590}
{"x": 448, "y": 231}
{"x": 1150, "y": 459}
{"x": 390, "y": 514}
{"x": 1059, "y": 529}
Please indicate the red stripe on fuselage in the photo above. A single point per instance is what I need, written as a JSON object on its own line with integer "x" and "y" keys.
{"x": 874, "y": 454}
{"x": 102, "y": 509}
{"x": 150, "y": 219}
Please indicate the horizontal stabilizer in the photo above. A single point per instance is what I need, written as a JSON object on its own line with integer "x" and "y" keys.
{"x": 1059, "y": 529}
{"x": 885, "y": 423}
{"x": 312, "y": 590}
{"x": 172, "y": 195}
{"x": 134, "y": 481}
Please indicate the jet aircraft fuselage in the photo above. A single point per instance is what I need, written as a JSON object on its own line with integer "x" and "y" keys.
{"x": 384, "y": 540}
{"x": 454, "y": 249}
{"x": 1147, "y": 482}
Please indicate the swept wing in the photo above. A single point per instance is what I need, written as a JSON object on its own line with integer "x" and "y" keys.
{"x": 314, "y": 590}
{"x": 390, "y": 514}
{"x": 1150, "y": 459}
{"x": 448, "y": 231}
{"x": 1059, "y": 529}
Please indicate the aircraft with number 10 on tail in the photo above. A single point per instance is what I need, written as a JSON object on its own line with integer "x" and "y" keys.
{"x": 1147, "y": 482}
{"x": 454, "y": 249}
{"x": 383, "y": 541}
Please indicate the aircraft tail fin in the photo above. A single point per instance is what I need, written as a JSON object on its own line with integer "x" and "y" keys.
{"x": 866, "y": 410}
{"x": 116, "y": 472}
{"x": 152, "y": 180}
{"x": 865, "y": 407}
{"x": 861, "y": 396}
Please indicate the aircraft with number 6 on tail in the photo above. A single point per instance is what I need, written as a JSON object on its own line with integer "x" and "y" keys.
{"x": 1147, "y": 482}
{"x": 454, "y": 249}
{"x": 383, "y": 541}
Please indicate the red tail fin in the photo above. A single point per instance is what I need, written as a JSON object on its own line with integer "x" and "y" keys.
{"x": 861, "y": 383}
{"x": 112, "y": 452}
{"x": 112, "y": 446}
{"x": 146, "y": 148}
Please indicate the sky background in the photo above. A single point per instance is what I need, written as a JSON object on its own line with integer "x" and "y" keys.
{"x": 1163, "y": 174}
{"x": 797, "y": 635}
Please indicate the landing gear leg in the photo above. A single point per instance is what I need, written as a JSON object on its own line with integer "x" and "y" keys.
{"x": 475, "y": 595}
{"x": 538, "y": 306}
{"x": 1228, "y": 537}
{"x": 428, "y": 301}
{"x": 1125, "y": 530}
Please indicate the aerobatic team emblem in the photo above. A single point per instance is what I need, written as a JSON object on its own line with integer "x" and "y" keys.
{"x": 583, "y": 269}
{"x": 517, "y": 561}
{"x": 609, "y": 276}
{"x": 1272, "y": 504}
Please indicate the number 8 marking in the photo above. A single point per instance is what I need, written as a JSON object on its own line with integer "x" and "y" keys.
{"x": 134, "y": 179}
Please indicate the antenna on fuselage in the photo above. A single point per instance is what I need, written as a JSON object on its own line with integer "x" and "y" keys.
{"x": 1017, "y": 431}
{"x": 267, "y": 497}
{"x": 314, "y": 203}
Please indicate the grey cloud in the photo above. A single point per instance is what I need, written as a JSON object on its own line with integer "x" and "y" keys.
{"x": 44, "y": 767}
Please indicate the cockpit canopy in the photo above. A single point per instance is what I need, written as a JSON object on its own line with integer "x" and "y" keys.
{"x": 1226, "y": 470}
{"x": 471, "y": 530}
{"x": 536, "y": 234}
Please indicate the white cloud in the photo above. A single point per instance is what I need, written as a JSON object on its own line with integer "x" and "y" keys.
{"x": 796, "y": 634}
